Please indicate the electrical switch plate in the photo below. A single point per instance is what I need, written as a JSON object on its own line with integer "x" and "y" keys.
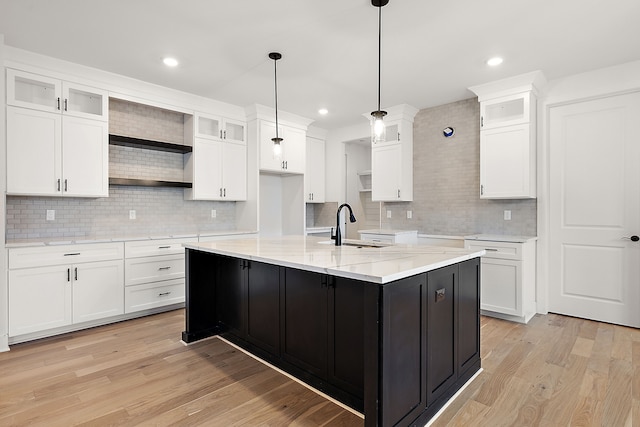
{"x": 409, "y": 214}
{"x": 213, "y": 213}
{"x": 388, "y": 214}
{"x": 132, "y": 214}
{"x": 507, "y": 215}
{"x": 51, "y": 215}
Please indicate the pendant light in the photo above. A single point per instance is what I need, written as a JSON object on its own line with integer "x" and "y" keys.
{"x": 277, "y": 147}
{"x": 378, "y": 130}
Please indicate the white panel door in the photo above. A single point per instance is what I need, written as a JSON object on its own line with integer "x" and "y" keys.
{"x": 594, "y": 176}
{"x": 98, "y": 290}
{"x": 234, "y": 171}
{"x": 85, "y": 157}
{"x": 385, "y": 172}
{"x": 207, "y": 178}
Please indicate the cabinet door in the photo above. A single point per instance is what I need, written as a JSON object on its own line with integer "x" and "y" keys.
{"x": 506, "y": 111}
{"x": 269, "y": 159}
{"x": 468, "y": 325}
{"x": 207, "y": 169}
{"x": 85, "y": 157}
{"x": 33, "y": 91}
{"x": 501, "y": 286}
{"x": 234, "y": 171}
{"x": 346, "y": 338}
{"x": 98, "y": 290}
{"x": 507, "y": 163}
{"x": 209, "y": 127}
{"x": 441, "y": 333}
{"x": 314, "y": 174}
{"x": 263, "y": 306}
{"x": 39, "y": 299}
{"x": 294, "y": 150}
{"x": 33, "y": 152}
{"x": 304, "y": 316}
{"x": 235, "y": 131}
{"x": 386, "y": 162}
{"x": 84, "y": 101}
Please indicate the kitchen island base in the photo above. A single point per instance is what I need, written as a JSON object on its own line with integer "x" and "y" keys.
{"x": 396, "y": 352}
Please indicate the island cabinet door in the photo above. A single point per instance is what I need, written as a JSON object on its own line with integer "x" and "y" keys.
{"x": 402, "y": 351}
{"x": 468, "y": 295}
{"x": 441, "y": 331}
{"x": 263, "y": 306}
{"x": 304, "y": 321}
{"x": 346, "y": 337}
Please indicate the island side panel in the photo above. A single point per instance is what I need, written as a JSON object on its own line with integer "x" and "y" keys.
{"x": 469, "y": 316}
{"x": 201, "y": 316}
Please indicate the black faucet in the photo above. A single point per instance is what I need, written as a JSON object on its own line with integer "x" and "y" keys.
{"x": 338, "y": 236}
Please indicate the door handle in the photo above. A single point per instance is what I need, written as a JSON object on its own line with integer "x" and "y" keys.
{"x": 633, "y": 238}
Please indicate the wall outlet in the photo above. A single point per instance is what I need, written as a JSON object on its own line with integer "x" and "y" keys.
{"x": 213, "y": 213}
{"x": 51, "y": 215}
{"x": 132, "y": 214}
{"x": 388, "y": 214}
{"x": 409, "y": 214}
{"x": 507, "y": 215}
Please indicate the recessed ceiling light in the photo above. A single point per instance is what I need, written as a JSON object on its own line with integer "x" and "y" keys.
{"x": 170, "y": 62}
{"x": 494, "y": 61}
{"x": 323, "y": 111}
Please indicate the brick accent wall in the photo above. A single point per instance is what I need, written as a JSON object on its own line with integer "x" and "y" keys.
{"x": 446, "y": 177}
{"x": 159, "y": 211}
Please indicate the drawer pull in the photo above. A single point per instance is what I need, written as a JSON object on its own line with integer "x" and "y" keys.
{"x": 163, "y": 294}
{"x": 490, "y": 249}
{"x": 163, "y": 268}
{"x": 72, "y": 254}
{"x": 164, "y": 247}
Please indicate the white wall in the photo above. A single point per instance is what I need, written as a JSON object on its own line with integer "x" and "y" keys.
{"x": 579, "y": 87}
{"x": 4, "y": 305}
{"x": 335, "y": 158}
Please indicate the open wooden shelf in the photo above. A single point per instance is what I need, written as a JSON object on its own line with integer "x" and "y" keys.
{"x": 148, "y": 183}
{"x": 127, "y": 141}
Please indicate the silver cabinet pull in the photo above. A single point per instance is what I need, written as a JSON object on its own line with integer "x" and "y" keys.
{"x": 224, "y": 193}
{"x": 65, "y": 104}
{"x": 490, "y": 249}
{"x": 163, "y": 268}
{"x": 58, "y": 184}
{"x": 58, "y": 103}
{"x": 164, "y": 247}
{"x": 72, "y": 254}
{"x": 66, "y": 187}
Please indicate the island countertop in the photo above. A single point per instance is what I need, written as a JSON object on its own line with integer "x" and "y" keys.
{"x": 371, "y": 264}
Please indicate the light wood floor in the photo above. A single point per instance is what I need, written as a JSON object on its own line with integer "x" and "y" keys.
{"x": 556, "y": 371}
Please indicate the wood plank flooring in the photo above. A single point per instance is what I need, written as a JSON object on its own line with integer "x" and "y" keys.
{"x": 556, "y": 371}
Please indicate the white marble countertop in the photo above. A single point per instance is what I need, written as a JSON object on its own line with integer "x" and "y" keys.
{"x": 378, "y": 265}
{"x": 22, "y": 243}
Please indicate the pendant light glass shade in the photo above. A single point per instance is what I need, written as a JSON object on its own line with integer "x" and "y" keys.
{"x": 277, "y": 146}
{"x": 378, "y": 128}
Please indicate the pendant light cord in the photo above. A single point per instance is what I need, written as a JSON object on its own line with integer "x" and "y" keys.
{"x": 275, "y": 75}
{"x": 379, "y": 51}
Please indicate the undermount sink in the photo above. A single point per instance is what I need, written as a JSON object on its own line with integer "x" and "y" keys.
{"x": 356, "y": 243}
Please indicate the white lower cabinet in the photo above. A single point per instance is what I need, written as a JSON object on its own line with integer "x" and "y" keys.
{"x": 507, "y": 276}
{"x": 154, "y": 273}
{"x": 51, "y": 287}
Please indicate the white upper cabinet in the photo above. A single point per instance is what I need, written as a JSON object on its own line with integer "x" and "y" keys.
{"x": 220, "y": 128}
{"x": 44, "y": 93}
{"x": 392, "y": 160}
{"x": 291, "y": 158}
{"x": 508, "y": 136}
{"x": 57, "y": 137}
{"x": 314, "y": 178}
{"x": 217, "y": 166}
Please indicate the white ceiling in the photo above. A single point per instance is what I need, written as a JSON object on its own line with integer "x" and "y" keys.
{"x": 431, "y": 50}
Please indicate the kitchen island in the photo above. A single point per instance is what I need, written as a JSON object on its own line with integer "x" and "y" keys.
{"x": 390, "y": 330}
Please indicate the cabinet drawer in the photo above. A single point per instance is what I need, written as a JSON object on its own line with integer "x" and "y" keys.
{"x": 153, "y": 269}
{"x": 152, "y": 295}
{"x": 65, "y": 254}
{"x": 501, "y": 250}
{"x": 144, "y": 248}
{"x": 384, "y": 238}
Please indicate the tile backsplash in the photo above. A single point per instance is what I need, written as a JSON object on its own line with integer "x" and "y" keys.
{"x": 159, "y": 211}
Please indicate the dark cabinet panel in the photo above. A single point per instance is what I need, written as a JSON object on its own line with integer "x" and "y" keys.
{"x": 230, "y": 294}
{"x": 263, "y": 306}
{"x": 403, "y": 354}
{"x": 304, "y": 312}
{"x": 468, "y": 314}
{"x": 346, "y": 337}
{"x": 441, "y": 339}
